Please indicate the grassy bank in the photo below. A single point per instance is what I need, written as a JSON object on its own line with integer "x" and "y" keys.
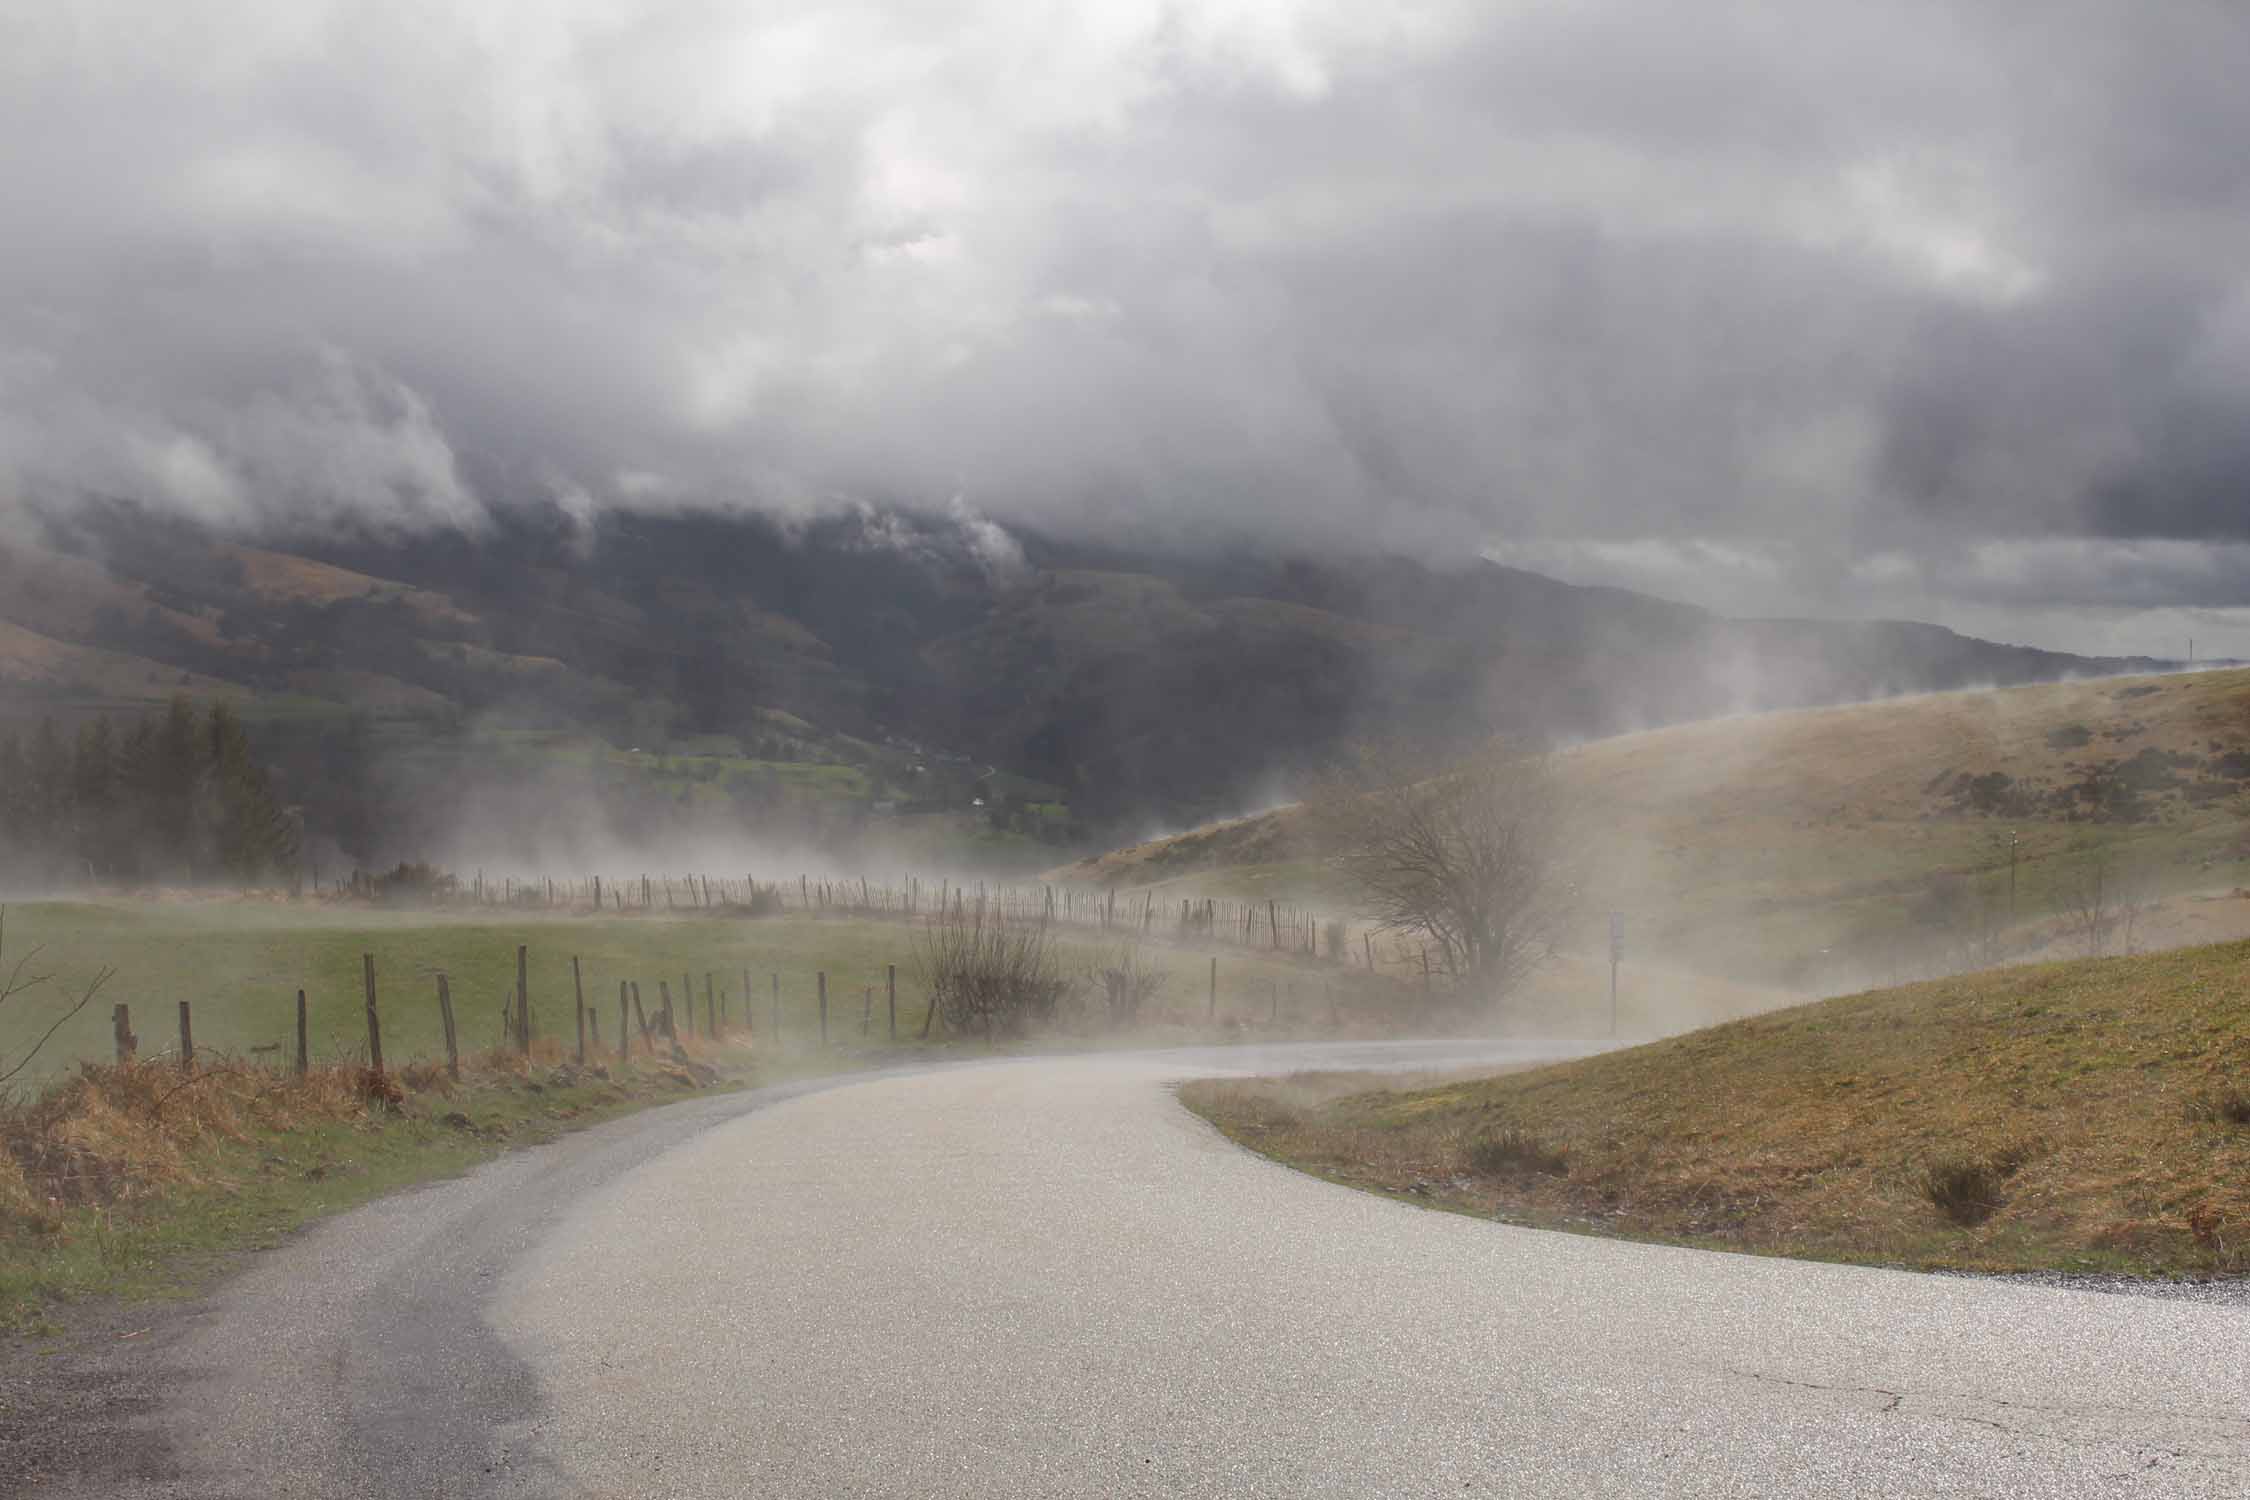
{"x": 2091, "y": 1115}
{"x": 1816, "y": 850}
{"x": 139, "y": 1180}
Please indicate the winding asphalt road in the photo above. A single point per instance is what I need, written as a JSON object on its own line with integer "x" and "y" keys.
{"x": 1045, "y": 1278}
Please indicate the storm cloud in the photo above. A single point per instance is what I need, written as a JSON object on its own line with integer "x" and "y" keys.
{"x": 1917, "y": 308}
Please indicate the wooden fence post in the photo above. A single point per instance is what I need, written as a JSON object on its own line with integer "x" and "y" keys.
{"x": 187, "y": 1041}
{"x": 641, "y": 1016}
{"x": 664, "y": 1020}
{"x": 823, "y": 976}
{"x": 121, "y": 1028}
{"x": 687, "y": 998}
{"x": 374, "y": 1023}
{"x": 578, "y": 992}
{"x": 710, "y": 1007}
{"x": 445, "y": 1019}
{"x": 304, "y": 1054}
{"x": 891, "y": 987}
{"x": 624, "y": 1026}
{"x": 523, "y": 1001}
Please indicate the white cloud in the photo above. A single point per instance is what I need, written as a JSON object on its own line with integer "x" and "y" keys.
{"x": 1729, "y": 310}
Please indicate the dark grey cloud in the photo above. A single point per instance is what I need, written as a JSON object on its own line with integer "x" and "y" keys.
{"x": 1921, "y": 307}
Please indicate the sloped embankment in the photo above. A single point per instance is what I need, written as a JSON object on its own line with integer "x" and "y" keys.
{"x": 2092, "y": 1115}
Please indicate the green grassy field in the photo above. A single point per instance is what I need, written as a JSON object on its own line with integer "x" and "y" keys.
{"x": 239, "y": 965}
{"x": 2097, "y": 1112}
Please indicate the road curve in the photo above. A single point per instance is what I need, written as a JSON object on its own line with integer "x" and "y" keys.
{"x": 1045, "y": 1278}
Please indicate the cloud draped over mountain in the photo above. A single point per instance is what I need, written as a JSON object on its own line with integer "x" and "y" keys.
{"x": 1922, "y": 306}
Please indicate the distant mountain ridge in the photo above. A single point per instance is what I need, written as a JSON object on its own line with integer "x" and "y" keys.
{"x": 1143, "y": 683}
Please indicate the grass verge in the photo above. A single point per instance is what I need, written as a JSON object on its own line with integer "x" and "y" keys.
{"x": 2081, "y": 1116}
{"x": 138, "y": 1181}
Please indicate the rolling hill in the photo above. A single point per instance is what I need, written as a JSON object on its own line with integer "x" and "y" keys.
{"x": 1038, "y": 693}
{"x": 1819, "y": 849}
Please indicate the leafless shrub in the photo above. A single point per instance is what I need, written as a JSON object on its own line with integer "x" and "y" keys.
{"x": 1965, "y": 918}
{"x": 1969, "y": 1189}
{"x": 2102, "y": 907}
{"x": 1127, "y": 983}
{"x": 1515, "y": 1150}
{"x": 412, "y": 884}
{"x": 2228, "y": 1246}
{"x": 2230, "y": 1105}
{"x": 987, "y": 973}
{"x": 1469, "y": 861}
{"x": 19, "y": 984}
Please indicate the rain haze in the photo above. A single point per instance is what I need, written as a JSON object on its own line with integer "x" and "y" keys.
{"x": 1153, "y": 747}
{"x": 1930, "y": 311}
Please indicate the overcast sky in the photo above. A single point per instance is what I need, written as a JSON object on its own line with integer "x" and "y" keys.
{"x": 1933, "y": 310}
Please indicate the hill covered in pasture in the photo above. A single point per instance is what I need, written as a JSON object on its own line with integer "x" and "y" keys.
{"x": 691, "y": 674}
{"x": 1819, "y": 848}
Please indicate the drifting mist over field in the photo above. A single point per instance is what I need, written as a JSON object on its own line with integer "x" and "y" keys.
{"x": 963, "y": 440}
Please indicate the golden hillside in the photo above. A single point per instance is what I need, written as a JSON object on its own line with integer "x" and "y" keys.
{"x": 1813, "y": 848}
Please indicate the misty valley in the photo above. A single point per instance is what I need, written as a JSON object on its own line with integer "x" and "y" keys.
{"x": 1263, "y": 748}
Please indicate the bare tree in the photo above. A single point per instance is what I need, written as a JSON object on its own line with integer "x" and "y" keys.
{"x": 2102, "y": 907}
{"x": 988, "y": 973}
{"x": 1126, "y": 983}
{"x": 1963, "y": 919}
{"x": 17, "y": 985}
{"x": 1469, "y": 861}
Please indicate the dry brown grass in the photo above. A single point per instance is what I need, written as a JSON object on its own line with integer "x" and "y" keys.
{"x": 114, "y": 1133}
{"x": 2092, "y": 1098}
{"x": 1815, "y": 851}
{"x": 118, "y": 1134}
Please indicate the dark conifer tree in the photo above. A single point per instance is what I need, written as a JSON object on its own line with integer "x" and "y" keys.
{"x": 137, "y": 779}
{"x": 93, "y": 790}
{"x": 172, "y": 795}
{"x": 48, "y": 834}
{"x": 252, "y": 834}
{"x": 15, "y": 802}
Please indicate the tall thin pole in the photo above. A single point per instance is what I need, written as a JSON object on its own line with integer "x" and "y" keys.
{"x": 2014, "y": 842}
{"x": 578, "y": 991}
{"x": 1616, "y": 952}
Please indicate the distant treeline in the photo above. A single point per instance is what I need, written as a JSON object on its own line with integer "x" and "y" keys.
{"x": 174, "y": 796}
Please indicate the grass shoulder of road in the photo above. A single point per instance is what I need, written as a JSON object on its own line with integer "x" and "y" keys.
{"x": 2084, "y": 1116}
{"x": 125, "y": 1183}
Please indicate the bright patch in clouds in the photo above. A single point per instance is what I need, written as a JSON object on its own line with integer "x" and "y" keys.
{"x": 1927, "y": 307}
